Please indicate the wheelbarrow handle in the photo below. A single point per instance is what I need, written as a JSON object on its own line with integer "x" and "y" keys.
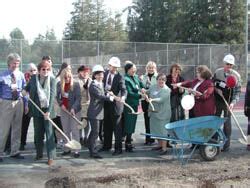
{"x": 50, "y": 120}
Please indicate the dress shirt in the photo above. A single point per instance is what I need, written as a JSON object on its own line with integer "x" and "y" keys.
{"x": 5, "y": 83}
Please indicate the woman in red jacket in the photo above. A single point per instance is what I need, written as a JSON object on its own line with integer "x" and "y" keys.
{"x": 204, "y": 97}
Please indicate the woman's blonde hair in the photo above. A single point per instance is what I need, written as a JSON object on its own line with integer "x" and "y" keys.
{"x": 66, "y": 72}
{"x": 151, "y": 63}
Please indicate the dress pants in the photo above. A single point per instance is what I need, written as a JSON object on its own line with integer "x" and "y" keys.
{"x": 10, "y": 117}
{"x": 227, "y": 129}
{"x": 25, "y": 127}
{"x": 94, "y": 124}
{"x": 112, "y": 124}
{"x": 42, "y": 126}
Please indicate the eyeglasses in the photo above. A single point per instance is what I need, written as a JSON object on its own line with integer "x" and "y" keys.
{"x": 45, "y": 69}
{"x": 163, "y": 79}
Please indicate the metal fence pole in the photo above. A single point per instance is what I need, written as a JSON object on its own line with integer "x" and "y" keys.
{"x": 198, "y": 55}
{"x": 167, "y": 54}
{"x": 62, "y": 52}
{"x": 210, "y": 58}
{"x": 21, "y": 54}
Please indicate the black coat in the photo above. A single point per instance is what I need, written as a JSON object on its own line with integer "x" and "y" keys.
{"x": 247, "y": 100}
{"x": 119, "y": 89}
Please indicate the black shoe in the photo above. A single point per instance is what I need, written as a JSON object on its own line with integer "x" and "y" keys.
{"x": 1, "y": 159}
{"x": 129, "y": 148}
{"x": 103, "y": 149}
{"x": 22, "y": 148}
{"x": 163, "y": 152}
{"x": 226, "y": 149}
{"x": 82, "y": 141}
{"x": 38, "y": 157}
{"x": 96, "y": 156}
{"x": 117, "y": 152}
{"x": 66, "y": 153}
{"x": 76, "y": 155}
{"x": 156, "y": 148}
{"x": 17, "y": 156}
{"x": 148, "y": 143}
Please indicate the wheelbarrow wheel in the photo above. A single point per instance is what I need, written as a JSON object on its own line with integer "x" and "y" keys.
{"x": 209, "y": 153}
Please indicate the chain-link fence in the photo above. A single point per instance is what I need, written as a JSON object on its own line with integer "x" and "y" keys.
{"x": 98, "y": 52}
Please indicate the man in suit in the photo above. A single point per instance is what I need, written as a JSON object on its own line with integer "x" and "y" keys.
{"x": 114, "y": 82}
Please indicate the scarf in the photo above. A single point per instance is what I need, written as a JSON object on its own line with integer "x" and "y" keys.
{"x": 43, "y": 91}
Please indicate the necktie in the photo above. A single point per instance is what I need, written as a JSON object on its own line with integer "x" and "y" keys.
{"x": 14, "y": 88}
{"x": 109, "y": 80}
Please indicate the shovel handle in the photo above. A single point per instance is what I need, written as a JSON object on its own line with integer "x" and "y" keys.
{"x": 235, "y": 120}
{"x": 126, "y": 104}
{"x": 57, "y": 128}
{"x": 74, "y": 117}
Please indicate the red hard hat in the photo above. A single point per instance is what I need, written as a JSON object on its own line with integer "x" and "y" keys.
{"x": 231, "y": 81}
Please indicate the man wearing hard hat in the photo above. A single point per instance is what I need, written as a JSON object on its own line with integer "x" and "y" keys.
{"x": 228, "y": 85}
{"x": 114, "y": 82}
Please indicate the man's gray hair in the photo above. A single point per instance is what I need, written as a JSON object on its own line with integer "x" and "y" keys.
{"x": 13, "y": 57}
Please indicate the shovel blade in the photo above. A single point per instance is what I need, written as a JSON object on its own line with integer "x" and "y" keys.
{"x": 73, "y": 144}
{"x": 242, "y": 141}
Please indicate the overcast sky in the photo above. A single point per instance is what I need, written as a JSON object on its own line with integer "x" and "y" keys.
{"x": 36, "y": 16}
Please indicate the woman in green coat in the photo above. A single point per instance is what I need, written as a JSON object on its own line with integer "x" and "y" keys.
{"x": 159, "y": 95}
{"x": 133, "y": 86}
{"x": 41, "y": 88}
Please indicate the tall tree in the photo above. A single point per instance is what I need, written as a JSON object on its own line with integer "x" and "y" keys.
{"x": 90, "y": 21}
{"x": 187, "y": 21}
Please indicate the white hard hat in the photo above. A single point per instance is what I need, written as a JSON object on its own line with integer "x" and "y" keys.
{"x": 97, "y": 68}
{"x": 115, "y": 62}
{"x": 229, "y": 59}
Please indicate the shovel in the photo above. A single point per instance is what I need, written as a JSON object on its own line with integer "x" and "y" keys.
{"x": 80, "y": 124}
{"x": 150, "y": 103}
{"x": 242, "y": 140}
{"x": 72, "y": 144}
{"x": 132, "y": 110}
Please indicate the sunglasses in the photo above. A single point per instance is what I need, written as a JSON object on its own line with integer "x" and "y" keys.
{"x": 45, "y": 69}
{"x": 228, "y": 64}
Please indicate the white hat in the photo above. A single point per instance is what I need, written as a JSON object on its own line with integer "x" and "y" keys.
{"x": 229, "y": 59}
{"x": 115, "y": 62}
{"x": 97, "y": 68}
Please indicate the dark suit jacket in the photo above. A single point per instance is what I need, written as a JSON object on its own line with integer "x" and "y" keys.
{"x": 247, "y": 100}
{"x": 32, "y": 89}
{"x": 97, "y": 98}
{"x": 119, "y": 89}
{"x": 74, "y": 97}
{"x": 204, "y": 105}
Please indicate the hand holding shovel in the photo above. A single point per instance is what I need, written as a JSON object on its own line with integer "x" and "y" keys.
{"x": 72, "y": 144}
{"x": 80, "y": 125}
{"x": 119, "y": 99}
{"x": 149, "y": 100}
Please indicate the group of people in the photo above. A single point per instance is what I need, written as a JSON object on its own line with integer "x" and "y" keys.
{"x": 104, "y": 102}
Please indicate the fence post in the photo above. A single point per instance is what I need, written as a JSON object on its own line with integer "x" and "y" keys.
{"x": 198, "y": 55}
{"x": 167, "y": 54}
{"x": 210, "y": 58}
{"x": 135, "y": 54}
{"x": 21, "y": 53}
{"x": 62, "y": 52}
